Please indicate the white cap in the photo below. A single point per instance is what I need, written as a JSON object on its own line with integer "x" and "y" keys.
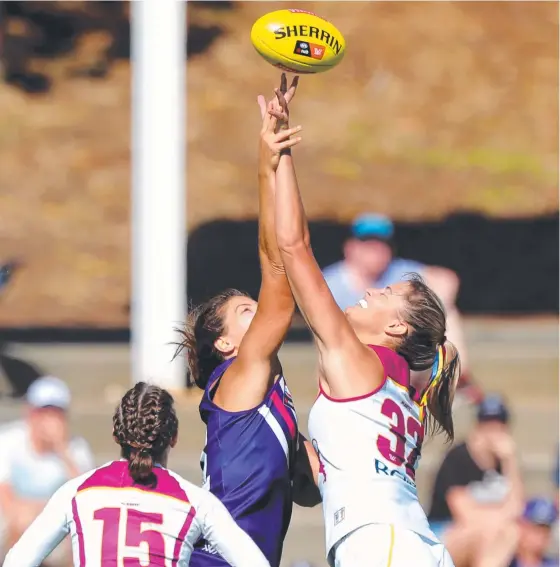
{"x": 48, "y": 391}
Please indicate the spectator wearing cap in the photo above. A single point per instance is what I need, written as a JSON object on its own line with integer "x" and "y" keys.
{"x": 37, "y": 456}
{"x": 369, "y": 261}
{"x": 522, "y": 544}
{"x": 535, "y": 536}
{"x": 478, "y": 490}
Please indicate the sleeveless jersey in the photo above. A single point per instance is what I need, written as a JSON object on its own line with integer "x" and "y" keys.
{"x": 113, "y": 521}
{"x": 246, "y": 463}
{"x": 369, "y": 448}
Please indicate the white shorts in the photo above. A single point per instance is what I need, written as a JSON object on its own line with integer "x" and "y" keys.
{"x": 383, "y": 545}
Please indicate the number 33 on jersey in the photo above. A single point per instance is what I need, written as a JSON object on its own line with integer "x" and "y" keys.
{"x": 369, "y": 448}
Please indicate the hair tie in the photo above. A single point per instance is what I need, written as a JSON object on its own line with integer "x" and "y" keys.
{"x": 437, "y": 371}
{"x": 141, "y": 451}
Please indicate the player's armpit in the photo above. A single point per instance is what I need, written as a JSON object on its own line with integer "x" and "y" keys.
{"x": 351, "y": 371}
{"x": 306, "y": 470}
{"x": 229, "y": 540}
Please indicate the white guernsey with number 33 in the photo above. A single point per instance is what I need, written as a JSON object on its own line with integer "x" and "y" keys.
{"x": 369, "y": 448}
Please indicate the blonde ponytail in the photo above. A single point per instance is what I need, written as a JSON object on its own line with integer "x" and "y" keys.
{"x": 438, "y": 395}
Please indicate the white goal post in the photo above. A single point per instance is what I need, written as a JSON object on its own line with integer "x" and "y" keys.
{"x": 158, "y": 301}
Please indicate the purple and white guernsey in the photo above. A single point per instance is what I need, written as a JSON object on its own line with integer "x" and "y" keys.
{"x": 246, "y": 463}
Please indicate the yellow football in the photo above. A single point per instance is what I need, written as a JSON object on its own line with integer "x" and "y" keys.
{"x": 298, "y": 41}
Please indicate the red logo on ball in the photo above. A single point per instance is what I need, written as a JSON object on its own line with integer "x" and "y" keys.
{"x": 317, "y": 51}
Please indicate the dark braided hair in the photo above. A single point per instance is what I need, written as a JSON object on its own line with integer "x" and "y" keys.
{"x": 204, "y": 325}
{"x": 144, "y": 425}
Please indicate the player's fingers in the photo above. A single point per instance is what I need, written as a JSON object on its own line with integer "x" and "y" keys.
{"x": 281, "y": 99}
{"x": 292, "y": 90}
{"x": 278, "y": 114}
{"x": 270, "y": 122}
{"x": 289, "y": 143}
{"x": 262, "y": 106}
{"x": 275, "y": 104}
{"x": 283, "y": 134}
{"x": 283, "y": 83}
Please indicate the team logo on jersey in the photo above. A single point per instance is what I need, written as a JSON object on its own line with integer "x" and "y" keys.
{"x": 407, "y": 406}
{"x": 209, "y": 549}
{"x": 288, "y": 400}
{"x": 339, "y": 516}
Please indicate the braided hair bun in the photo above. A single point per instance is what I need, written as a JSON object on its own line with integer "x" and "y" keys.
{"x": 144, "y": 425}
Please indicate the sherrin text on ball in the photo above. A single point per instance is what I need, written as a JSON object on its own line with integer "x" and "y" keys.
{"x": 298, "y": 41}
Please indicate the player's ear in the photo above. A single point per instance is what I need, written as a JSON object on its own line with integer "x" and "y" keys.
{"x": 222, "y": 344}
{"x": 396, "y": 328}
{"x": 174, "y": 441}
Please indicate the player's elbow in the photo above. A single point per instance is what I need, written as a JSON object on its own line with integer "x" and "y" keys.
{"x": 277, "y": 269}
{"x": 293, "y": 248}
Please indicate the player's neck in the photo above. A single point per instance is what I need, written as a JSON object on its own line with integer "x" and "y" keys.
{"x": 372, "y": 339}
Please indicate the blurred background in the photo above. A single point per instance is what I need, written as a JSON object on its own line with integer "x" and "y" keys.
{"x": 442, "y": 118}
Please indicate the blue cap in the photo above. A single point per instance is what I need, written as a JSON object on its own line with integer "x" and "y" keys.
{"x": 541, "y": 511}
{"x": 493, "y": 408}
{"x": 372, "y": 226}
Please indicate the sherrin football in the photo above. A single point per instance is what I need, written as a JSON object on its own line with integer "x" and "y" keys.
{"x": 298, "y": 41}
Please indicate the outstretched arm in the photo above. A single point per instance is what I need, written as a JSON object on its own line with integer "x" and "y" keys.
{"x": 248, "y": 379}
{"x": 340, "y": 351}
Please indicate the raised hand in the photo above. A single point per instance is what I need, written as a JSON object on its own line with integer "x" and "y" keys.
{"x": 278, "y": 140}
{"x": 280, "y": 102}
{"x": 275, "y": 131}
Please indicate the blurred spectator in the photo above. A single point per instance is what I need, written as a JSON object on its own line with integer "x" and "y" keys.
{"x": 525, "y": 544}
{"x": 478, "y": 491}
{"x": 37, "y": 456}
{"x": 369, "y": 261}
{"x": 535, "y": 535}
